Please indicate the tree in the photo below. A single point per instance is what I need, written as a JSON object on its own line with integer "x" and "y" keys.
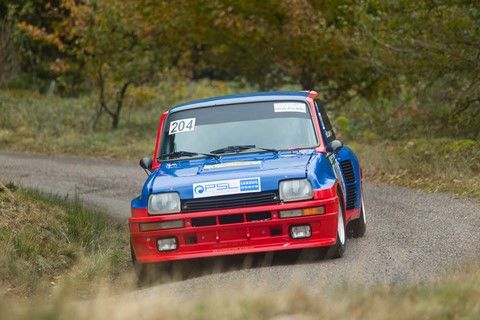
{"x": 99, "y": 41}
{"x": 266, "y": 43}
{"x": 342, "y": 48}
{"x": 431, "y": 43}
{"x": 30, "y": 58}
{"x": 6, "y": 49}
{"x": 270, "y": 43}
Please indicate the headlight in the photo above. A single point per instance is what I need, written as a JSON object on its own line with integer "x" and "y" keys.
{"x": 294, "y": 190}
{"x": 163, "y": 203}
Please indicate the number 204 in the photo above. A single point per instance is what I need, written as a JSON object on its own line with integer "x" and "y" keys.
{"x": 183, "y": 125}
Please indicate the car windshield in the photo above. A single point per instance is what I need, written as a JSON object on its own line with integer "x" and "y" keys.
{"x": 238, "y": 128}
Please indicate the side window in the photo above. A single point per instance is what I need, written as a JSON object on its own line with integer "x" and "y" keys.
{"x": 330, "y": 134}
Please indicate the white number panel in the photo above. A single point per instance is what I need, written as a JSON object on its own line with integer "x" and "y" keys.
{"x": 183, "y": 125}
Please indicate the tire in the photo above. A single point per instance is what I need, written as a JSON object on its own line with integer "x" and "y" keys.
{"x": 337, "y": 250}
{"x": 359, "y": 226}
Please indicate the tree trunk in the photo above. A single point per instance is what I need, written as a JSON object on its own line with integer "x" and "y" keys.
{"x": 103, "y": 106}
{"x": 115, "y": 121}
{"x": 101, "y": 99}
{"x": 120, "y": 97}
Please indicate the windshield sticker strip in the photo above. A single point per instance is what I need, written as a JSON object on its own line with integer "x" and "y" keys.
{"x": 290, "y": 107}
{"x": 232, "y": 164}
{"x": 225, "y": 187}
{"x": 183, "y": 125}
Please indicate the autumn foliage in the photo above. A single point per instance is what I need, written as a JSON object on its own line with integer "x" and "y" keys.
{"x": 345, "y": 49}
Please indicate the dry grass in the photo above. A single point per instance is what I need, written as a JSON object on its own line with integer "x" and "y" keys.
{"x": 456, "y": 297}
{"x": 435, "y": 165}
{"x": 53, "y": 125}
{"x": 49, "y": 242}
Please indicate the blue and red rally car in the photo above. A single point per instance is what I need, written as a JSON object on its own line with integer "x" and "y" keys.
{"x": 243, "y": 174}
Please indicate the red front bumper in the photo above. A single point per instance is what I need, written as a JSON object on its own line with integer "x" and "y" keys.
{"x": 236, "y": 238}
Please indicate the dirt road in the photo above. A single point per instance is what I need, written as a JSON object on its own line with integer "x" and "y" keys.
{"x": 411, "y": 236}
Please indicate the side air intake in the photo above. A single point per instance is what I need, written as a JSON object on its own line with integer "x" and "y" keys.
{"x": 349, "y": 177}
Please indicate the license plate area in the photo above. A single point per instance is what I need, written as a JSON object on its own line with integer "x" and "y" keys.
{"x": 236, "y": 234}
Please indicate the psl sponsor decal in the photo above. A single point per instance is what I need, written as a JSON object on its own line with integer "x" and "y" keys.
{"x": 225, "y": 187}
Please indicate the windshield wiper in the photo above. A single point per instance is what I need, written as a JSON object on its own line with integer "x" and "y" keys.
{"x": 233, "y": 148}
{"x": 267, "y": 149}
{"x": 240, "y": 148}
{"x": 179, "y": 154}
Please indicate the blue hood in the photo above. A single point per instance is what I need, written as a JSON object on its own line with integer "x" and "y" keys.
{"x": 180, "y": 176}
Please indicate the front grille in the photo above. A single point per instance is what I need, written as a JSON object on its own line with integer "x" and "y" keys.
{"x": 259, "y": 216}
{"x": 230, "y": 201}
{"x": 204, "y": 221}
{"x": 230, "y": 218}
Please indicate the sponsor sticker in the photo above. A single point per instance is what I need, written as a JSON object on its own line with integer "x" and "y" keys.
{"x": 183, "y": 125}
{"x": 290, "y": 107}
{"x": 232, "y": 164}
{"x": 225, "y": 187}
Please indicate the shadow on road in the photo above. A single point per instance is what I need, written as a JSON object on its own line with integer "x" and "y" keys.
{"x": 188, "y": 269}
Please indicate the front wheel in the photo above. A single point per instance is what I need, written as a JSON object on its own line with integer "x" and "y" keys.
{"x": 337, "y": 250}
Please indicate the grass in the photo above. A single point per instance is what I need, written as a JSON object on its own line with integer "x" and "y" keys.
{"x": 49, "y": 243}
{"x": 52, "y": 125}
{"x": 435, "y": 165}
{"x": 455, "y": 297}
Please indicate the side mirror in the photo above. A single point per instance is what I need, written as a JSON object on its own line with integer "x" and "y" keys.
{"x": 334, "y": 146}
{"x": 146, "y": 164}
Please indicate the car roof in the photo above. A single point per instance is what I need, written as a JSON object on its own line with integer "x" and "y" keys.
{"x": 243, "y": 98}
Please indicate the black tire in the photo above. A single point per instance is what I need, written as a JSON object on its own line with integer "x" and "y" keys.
{"x": 359, "y": 226}
{"x": 338, "y": 249}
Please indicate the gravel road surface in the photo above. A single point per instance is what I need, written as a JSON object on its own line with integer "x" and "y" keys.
{"x": 411, "y": 235}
